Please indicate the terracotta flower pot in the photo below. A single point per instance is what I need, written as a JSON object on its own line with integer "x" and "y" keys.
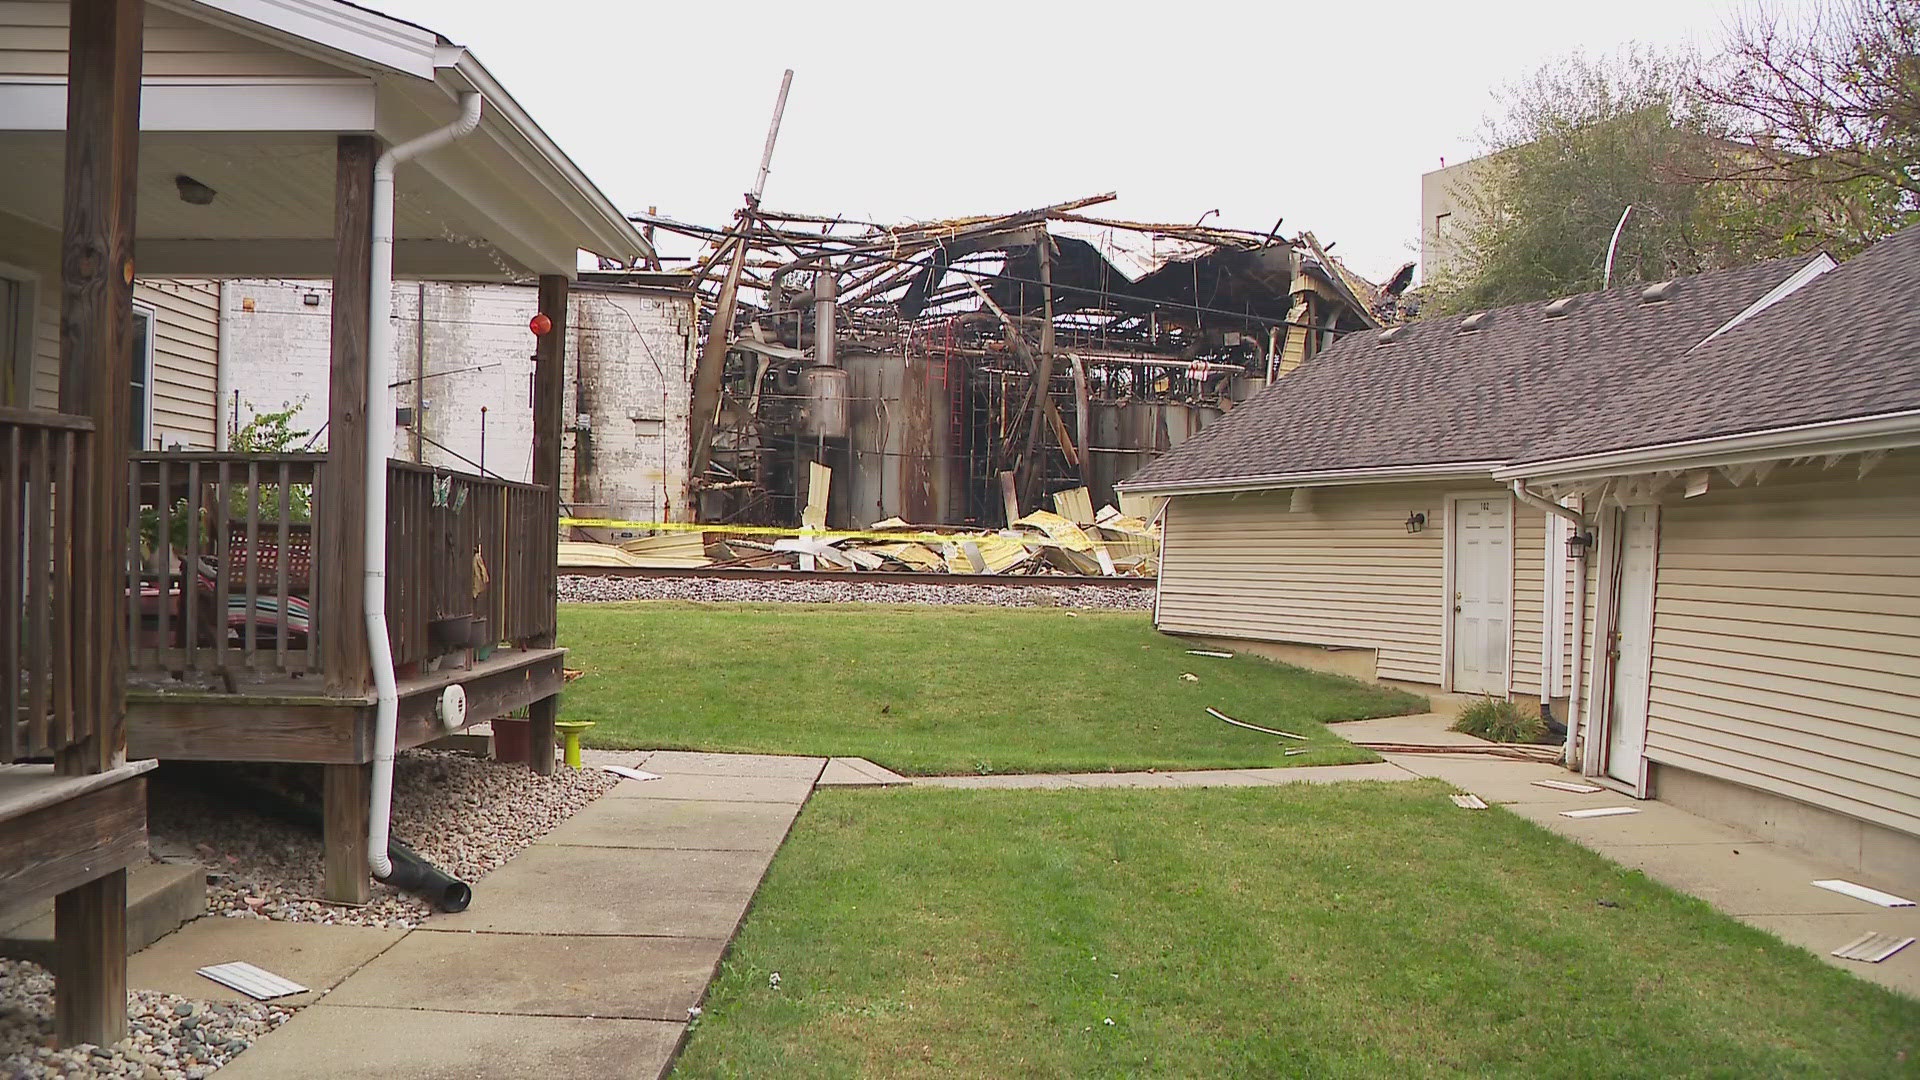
{"x": 512, "y": 739}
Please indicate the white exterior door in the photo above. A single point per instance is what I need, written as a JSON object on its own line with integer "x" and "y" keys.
{"x": 1632, "y": 645}
{"x": 1481, "y": 564}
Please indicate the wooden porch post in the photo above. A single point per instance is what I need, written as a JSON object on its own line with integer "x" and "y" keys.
{"x": 104, "y": 54}
{"x": 549, "y": 386}
{"x": 343, "y": 510}
{"x": 345, "y": 790}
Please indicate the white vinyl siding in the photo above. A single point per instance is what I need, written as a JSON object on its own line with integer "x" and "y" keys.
{"x": 1529, "y": 599}
{"x": 1343, "y": 572}
{"x": 186, "y": 361}
{"x": 33, "y": 42}
{"x": 1786, "y": 649}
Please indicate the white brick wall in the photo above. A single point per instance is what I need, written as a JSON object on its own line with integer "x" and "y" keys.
{"x": 635, "y": 349}
{"x": 637, "y": 353}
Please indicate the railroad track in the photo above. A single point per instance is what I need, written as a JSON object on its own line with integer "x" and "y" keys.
{"x": 881, "y": 577}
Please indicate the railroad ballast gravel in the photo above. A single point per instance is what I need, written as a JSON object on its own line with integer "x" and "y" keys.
{"x": 582, "y": 589}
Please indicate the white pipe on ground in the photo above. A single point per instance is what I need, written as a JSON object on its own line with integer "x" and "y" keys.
{"x": 1577, "y": 631}
{"x": 379, "y": 447}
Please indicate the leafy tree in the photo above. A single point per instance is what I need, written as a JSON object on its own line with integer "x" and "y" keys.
{"x": 1830, "y": 100}
{"x": 1803, "y": 136}
{"x": 272, "y": 433}
{"x": 1578, "y": 143}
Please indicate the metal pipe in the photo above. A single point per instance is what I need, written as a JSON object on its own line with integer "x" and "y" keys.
{"x": 826, "y": 294}
{"x": 1576, "y": 632}
{"x": 379, "y": 447}
{"x": 773, "y": 133}
{"x": 1607, "y": 280}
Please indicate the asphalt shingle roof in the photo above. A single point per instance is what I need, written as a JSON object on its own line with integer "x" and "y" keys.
{"x": 1522, "y": 387}
{"x": 1846, "y": 344}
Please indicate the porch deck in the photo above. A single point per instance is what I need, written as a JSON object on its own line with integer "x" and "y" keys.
{"x": 287, "y": 717}
{"x": 244, "y": 643}
{"x": 248, "y": 632}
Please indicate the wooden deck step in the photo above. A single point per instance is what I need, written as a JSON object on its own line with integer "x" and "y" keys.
{"x": 160, "y": 898}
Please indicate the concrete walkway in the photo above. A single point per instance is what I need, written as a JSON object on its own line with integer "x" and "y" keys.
{"x": 580, "y": 956}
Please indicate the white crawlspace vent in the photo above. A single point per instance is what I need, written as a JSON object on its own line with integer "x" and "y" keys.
{"x": 1562, "y": 307}
{"x": 1476, "y": 321}
{"x": 1659, "y": 292}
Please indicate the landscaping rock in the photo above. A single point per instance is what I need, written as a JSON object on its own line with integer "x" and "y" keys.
{"x": 581, "y": 589}
{"x": 168, "y": 1037}
{"x": 463, "y": 814}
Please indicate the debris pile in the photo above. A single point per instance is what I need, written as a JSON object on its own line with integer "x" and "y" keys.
{"x": 1071, "y": 539}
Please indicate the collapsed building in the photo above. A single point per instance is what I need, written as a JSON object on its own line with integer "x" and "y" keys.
{"x": 963, "y": 371}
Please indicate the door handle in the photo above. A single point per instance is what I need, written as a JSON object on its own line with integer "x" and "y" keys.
{"x": 1456, "y": 609}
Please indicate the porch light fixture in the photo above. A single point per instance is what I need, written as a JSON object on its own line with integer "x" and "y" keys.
{"x": 193, "y": 191}
{"x": 1578, "y": 544}
{"x": 1416, "y": 521}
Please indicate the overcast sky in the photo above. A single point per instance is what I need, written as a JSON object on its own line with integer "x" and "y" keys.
{"x": 1324, "y": 113}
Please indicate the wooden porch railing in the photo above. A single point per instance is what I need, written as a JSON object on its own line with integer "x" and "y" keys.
{"x": 223, "y": 578}
{"x": 44, "y": 474}
{"x": 461, "y": 546}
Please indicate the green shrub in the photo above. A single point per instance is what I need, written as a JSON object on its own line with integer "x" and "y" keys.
{"x": 1499, "y": 720}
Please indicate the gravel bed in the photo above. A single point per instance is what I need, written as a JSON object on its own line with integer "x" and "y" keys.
{"x": 168, "y": 1037}
{"x": 461, "y": 813}
{"x": 581, "y": 589}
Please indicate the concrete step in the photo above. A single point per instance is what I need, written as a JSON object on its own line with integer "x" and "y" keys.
{"x": 160, "y": 897}
{"x": 476, "y": 740}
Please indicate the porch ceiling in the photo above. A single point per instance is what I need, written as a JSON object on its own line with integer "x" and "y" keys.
{"x": 272, "y": 214}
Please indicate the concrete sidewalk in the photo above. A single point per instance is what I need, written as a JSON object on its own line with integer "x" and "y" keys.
{"x": 580, "y": 956}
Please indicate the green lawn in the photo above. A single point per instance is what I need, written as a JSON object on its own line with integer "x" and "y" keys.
{"x": 1349, "y": 930}
{"x": 929, "y": 690}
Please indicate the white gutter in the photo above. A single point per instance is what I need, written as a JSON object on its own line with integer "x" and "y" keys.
{"x": 1387, "y": 474}
{"x": 386, "y": 728}
{"x": 1578, "y": 630}
{"x": 616, "y": 231}
{"x": 1882, "y": 431}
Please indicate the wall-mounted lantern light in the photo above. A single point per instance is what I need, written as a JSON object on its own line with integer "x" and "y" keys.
{"x": 1416, "y": 521}
{"x": 1578, "y": 544}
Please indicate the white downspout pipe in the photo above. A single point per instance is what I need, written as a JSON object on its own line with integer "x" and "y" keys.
{"x": 386, "y": 727}
{"x": 1577, "y": 631}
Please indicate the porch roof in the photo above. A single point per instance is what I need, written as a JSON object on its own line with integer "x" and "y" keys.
{"x": 247, "y": 97}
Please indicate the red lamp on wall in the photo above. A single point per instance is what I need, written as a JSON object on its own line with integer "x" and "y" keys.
{"x": 540, "y": 324}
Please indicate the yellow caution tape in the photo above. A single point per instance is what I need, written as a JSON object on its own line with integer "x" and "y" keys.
{"x": 768, "y": 530}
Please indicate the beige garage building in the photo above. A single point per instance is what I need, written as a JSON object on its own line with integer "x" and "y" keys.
{"x": 1686, "y": 518}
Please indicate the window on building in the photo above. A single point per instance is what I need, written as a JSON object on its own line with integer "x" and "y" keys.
{"x": 1443, "y": 227}
{"x": 140, "y": 415}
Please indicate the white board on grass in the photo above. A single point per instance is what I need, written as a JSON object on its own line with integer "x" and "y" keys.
{"x": 1600, "y": 811}
{"x": 1861, "y": 892}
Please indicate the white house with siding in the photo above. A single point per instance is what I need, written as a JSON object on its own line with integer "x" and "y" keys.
{"x": 1686, "y": 518}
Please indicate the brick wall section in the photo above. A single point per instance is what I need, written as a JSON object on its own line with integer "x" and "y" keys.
{"x": 629, "y": 362}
